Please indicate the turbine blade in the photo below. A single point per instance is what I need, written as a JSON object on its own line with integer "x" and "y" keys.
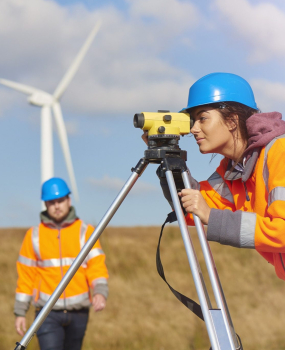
{"x": 46, "y": 144}
{"x": 76, "y": 63}
{"x": 19, "y": 87}
{"x": 65, "y": 147}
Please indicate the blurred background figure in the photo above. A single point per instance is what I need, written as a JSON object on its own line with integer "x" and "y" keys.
{"x": 47, "y": 252}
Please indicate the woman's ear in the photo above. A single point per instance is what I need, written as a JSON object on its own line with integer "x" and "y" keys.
{"x": 232, "y": 122}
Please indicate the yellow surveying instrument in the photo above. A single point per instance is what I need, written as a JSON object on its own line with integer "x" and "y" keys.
{"x": 163, "y": 123}
{"x": 164, "y": 129}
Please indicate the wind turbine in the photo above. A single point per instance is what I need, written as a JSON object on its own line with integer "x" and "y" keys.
{"x": 50, "y": 103}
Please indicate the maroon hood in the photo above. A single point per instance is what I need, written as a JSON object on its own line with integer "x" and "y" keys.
{"x": 262, "y": 128}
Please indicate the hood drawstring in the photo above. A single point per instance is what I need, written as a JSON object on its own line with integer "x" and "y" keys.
{"x": 246, "y": 193}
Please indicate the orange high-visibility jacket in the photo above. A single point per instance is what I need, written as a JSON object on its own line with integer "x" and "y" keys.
{"x": 251, "y": 214}
{"x": 46, "y": 254}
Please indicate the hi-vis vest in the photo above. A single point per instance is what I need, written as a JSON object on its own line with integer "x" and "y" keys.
{"x": 45, "y": 256}
{"x": 262, "y": 225}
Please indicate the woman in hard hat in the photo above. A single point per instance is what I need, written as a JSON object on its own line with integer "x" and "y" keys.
{"x": 243, "y": 202}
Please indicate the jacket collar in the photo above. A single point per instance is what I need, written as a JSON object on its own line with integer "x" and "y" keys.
{"x": 46, "y": 220}
{"x": 245, "y": 171}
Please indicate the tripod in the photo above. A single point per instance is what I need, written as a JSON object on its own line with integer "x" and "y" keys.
{"x": 165, "y": 151}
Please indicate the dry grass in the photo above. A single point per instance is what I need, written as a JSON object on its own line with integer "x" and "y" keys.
{"x": 142, "y": 313}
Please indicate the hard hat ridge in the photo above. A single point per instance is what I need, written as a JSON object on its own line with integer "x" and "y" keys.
{"x": 54, "y": 188}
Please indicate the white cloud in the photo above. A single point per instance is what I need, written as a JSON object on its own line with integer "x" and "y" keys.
{"x": 116, "y": 184}
{"x": 125, "y": 69}
{"x": 178, "y": 15}
{"x": 146, "y": 94}
{"x": 261, "y": 26}
{"x": 268, "y": 94}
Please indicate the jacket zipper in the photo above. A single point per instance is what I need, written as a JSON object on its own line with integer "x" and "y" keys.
{"x": 61, "y": 268}
{"x": 246, "y": 193}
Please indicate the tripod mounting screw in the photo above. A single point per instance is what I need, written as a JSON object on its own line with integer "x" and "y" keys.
{"x": 161, "y": 129}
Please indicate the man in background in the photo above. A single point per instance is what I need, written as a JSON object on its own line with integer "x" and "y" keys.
{"x": 47, "y": 252}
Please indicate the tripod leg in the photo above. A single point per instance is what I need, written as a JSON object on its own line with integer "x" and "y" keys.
{"x": 213, "y": 274}
{"x": 137, "y": 171}
{"x": 193, "y": 262}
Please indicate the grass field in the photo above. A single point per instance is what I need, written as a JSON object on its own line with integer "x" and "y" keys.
{"x": 141, "y": 311}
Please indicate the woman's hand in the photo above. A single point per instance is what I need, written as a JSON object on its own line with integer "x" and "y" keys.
{"x": 194, "y": 203}
{"x": 145, "y": 137}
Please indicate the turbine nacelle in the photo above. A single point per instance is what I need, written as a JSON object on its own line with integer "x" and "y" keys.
{"x": 41, "y": 99}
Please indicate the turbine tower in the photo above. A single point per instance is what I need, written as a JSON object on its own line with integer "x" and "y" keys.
{"x": 49, "y": 103}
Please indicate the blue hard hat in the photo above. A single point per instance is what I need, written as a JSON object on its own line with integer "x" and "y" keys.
{"x": 220, "y": 87}
{"x": 54, "y": 188}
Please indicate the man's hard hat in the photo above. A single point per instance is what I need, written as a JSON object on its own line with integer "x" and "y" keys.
{"x": 220, "y": 87}
{"x": 54, "y": 188}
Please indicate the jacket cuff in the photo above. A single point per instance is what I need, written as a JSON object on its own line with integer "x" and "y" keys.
{"x": 101, "y": 288}
{"x": 21, "y": 308}
{"x": 224, "y": 226}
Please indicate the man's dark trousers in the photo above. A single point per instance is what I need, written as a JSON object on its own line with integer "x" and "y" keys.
{"x": 63, "y": 330}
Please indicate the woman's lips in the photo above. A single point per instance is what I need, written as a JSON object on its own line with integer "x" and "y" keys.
{"x": 199, "y": 140}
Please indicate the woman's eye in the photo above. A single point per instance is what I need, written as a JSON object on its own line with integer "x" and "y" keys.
{"x": 202, "y": 119}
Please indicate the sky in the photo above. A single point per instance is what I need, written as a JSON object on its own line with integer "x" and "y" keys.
{"x": 145, "y": 57}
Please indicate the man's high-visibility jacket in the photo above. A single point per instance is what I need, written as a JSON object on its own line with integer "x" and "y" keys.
{"x": 249, "y": 205}
{"x": 46, "y": 254}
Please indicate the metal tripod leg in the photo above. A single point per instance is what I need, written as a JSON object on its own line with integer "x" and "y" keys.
{"x": 137, "y": 171}
{"x": 213, "y": 273}
{"x": 217, "y": 321}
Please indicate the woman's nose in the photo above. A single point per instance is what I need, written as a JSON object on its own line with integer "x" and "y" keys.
{"x": 195, "y": 128}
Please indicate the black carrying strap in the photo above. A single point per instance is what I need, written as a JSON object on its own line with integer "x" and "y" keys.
{"x": 189, "y": 303}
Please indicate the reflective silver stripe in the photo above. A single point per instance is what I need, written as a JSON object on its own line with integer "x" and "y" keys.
{"x": 97, "y": 281}
{"x": 247, "y": 230}
{"x": 36, "y": 241}
{"x": 65, "y": 261}
{"x": 55, "y": 262}
{"x": 265, "y": 166}
{"x": 93, "y": 253}
{"x": 218, "y": 184}
{"x": 23, "y": 297}
{"x": 26, "y": 261}
{"x": 83, "y": 230}
{"x": 67, "y": 301}
{"x": 277, "y": 194}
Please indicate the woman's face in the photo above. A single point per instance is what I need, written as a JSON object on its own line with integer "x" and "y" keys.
{"x": 211, "y": 133}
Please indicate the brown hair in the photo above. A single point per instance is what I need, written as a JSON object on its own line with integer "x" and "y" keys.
{"x": 229, "y": 109}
